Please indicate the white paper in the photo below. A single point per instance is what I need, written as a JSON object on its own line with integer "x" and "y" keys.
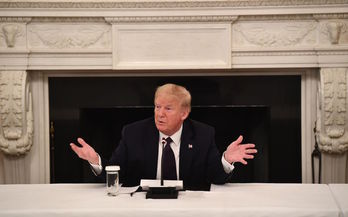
{"x": 146, "y": 183}
{"x": 128, "y": 190}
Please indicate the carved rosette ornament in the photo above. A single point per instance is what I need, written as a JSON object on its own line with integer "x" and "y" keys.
{"x": 16, "y": 114}
{"x": 331, "y": 129}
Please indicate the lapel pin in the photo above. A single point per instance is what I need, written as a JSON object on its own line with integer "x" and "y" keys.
{"x": 190, "y": 146}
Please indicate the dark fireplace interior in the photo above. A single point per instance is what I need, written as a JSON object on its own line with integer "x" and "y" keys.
{"x": 266, "y": 110}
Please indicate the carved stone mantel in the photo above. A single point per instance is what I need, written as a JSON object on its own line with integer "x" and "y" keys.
{"x": 118, "y": 35}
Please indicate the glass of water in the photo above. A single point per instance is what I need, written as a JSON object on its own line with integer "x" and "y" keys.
{"x": 112, "y": 180}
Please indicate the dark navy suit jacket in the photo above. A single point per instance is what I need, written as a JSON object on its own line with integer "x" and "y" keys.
{"x": 199, "y": 160}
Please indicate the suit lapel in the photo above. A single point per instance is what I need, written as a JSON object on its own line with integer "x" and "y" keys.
{"x": 186, "y": 150}
{"x": 151, "y": 151}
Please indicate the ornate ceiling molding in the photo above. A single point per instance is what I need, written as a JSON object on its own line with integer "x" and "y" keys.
{"x": 293, "y": 17}
{"x": 272, "y": 53}
{"x": 171, "y": 19}
{"x": 15, "y": 19}
{"x": 275, "y": 17}
{"x": 164, "y": 3}
{"x": 330, "y": 16}
{"x": 68, "y": 19}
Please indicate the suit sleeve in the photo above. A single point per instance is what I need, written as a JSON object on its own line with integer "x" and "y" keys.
{"x": 215, "y": 172}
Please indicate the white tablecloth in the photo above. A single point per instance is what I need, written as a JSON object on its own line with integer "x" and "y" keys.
{"x": 340, "y": 193}
{"x": 227, "y": 200}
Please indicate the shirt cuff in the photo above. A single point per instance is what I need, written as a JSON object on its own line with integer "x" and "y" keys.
{"x": 227, "y": 166}
{"x": 97, "y": 168}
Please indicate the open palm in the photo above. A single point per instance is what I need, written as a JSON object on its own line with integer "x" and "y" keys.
{"x": 85, "y": 152}
{"x": 237, "y": 152}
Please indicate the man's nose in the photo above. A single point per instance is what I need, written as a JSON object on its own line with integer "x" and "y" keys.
{"x": 161, "y": 112}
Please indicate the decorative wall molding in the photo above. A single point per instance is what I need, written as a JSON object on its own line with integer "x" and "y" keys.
{"x": 16, "y": 113}
{"x": 15, "y": 19}
{"x": 165, "y": 4}
{"x": 333, "y": 52}
{"x": 333, "y": 30}
{"x": 331, "y": 129}
{"x": 277, "y": 34}
{"x": 330, "y": 16}
{"x": 174, "y": 46}
{"x": 63, "y": 36}
{"x": 288, "y": 17}
{"x": 274, "y": 53}
{"x": 68, "y": 20}
{"x": 174, "y": 19}
{"x": 11, "y": 29}
{"x": 10, "y": 32}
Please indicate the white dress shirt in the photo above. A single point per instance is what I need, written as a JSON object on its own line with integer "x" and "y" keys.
{"x": 175, "y": 145}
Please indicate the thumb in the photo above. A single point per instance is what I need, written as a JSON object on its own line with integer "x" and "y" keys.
{"x": 239, "y": 140}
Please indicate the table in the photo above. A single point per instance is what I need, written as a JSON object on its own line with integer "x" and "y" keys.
{"x": 340, "y": 193}
{"x": 226, "y": 200}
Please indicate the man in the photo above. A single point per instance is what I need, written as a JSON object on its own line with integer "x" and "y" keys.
{"x": 195, "y": 158}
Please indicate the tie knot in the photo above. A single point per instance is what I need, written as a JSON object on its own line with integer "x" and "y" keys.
{"x": 167, "y": 140}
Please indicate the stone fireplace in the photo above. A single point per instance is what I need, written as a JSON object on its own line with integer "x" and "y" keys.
{"x": 40, "y": 40}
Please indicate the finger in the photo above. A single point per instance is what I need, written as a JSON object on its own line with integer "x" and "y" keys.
{"x": 249, "y": 156}
{"x": 250, "y": 151}
{"x": 248, "y": 145}
{"x": 238, "y": 141}
{"x": 82, "y": 142}
{"x": 75, "y": 148}
{"x": 243, "y": 162}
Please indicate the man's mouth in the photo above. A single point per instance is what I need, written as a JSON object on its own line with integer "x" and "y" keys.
{"x": 161, "y": 122}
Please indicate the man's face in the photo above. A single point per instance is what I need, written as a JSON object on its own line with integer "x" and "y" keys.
{"x": 169, "y": 114}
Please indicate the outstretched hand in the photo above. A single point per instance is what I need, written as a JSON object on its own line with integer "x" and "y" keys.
{"x": 237, "y": 152}
{"x": 85, "y": 152}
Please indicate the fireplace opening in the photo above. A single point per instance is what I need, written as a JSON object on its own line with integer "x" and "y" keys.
{"x": 266, "y": 110}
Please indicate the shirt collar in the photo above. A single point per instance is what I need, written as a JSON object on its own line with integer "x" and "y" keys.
{"x": 175, "y": 137}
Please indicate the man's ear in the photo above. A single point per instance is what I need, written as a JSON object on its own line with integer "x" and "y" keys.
{"x": 184, "y": 114}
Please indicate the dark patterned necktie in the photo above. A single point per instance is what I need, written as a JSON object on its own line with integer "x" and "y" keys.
{"x": 168, "y": 161}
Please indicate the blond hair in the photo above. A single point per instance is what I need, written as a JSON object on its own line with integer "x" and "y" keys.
{"x": 178, "y": 91}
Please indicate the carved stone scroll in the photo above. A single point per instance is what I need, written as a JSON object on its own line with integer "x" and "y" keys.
{"x": 16, "y": 114}
{"x": 331, "y": 129}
